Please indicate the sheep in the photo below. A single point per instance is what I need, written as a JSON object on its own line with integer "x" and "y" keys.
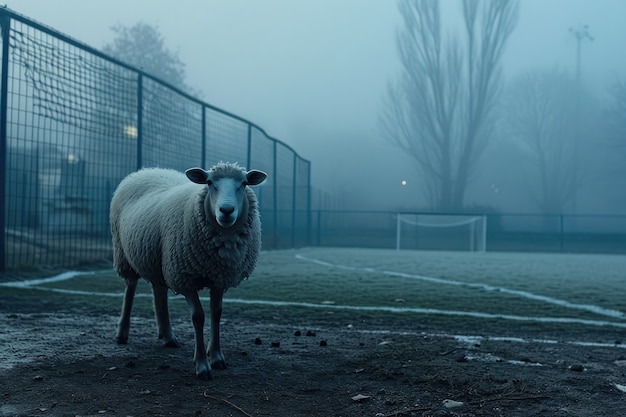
{"x": 186, "y": 236}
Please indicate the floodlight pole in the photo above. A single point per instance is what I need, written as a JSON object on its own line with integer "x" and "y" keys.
{"x": 580, "y": 34}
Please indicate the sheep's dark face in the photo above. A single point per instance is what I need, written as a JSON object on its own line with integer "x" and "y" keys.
{"x": 227, "y": 184}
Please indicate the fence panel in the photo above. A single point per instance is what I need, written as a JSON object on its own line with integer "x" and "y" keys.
{"x": 285, "y": 198}
{"x": 227, "y": 138}
{"x": 302, "y": 189}
{"x": 171, "y": 128}
{"x": 262, "y": 158}
{"x": 74, "y": 122}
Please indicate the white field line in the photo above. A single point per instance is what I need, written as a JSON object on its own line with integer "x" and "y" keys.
{"x": 384, "y": 309}
{"x": 417, "y": 310}
{"x": 34, "y": 282}
{"x": 471, "y": 340}
{"x": 524, "y": 294}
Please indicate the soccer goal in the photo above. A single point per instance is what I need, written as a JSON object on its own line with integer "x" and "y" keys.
{"x": 442, "y": 231}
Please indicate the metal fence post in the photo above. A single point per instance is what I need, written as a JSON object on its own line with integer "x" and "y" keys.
{"x": 203, "y": 157}
{"x": 139, "y": 120}
{"x": 275, "y": 196}
{"x": 5, "y": 22}
{"x": 319, "y": 227}
{"x": 398, "y": 230}
{"x": 294, "y": 188}
{"x": 249, "y": 155}
{"x": 308, "y": 205}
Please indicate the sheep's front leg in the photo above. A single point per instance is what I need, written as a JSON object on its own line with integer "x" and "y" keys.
{"x": 123, "y": 327}
{"x": 215, "y": 349}
{"x": 203, "y": 369}
{"x": 162, "y": 313}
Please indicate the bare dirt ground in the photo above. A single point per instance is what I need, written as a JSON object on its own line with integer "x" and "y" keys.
{"x": 59, "y": 360}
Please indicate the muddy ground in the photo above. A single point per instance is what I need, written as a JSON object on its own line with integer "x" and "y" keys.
{"x": 61, "y": 360}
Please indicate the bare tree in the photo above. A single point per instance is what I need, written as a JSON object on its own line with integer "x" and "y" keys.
{"x": 548, "y": 116}
{"x": 440, "y": 110}
{"x": 143, "y": 46}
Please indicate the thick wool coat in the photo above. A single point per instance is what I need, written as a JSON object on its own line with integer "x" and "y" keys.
{"x": 163, "y": 231}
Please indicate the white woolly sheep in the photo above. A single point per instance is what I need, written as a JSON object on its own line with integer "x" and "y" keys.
{"x": 180, "y": 235}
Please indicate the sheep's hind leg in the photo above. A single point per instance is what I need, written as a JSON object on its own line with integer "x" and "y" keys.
{"x": 123, "y": 327}
{"x": 215, "y": 349}
{"x": 162, "y": 313}
{"x": 203, "y": 369}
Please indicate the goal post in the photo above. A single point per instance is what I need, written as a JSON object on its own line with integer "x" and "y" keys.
{"x": 470, "y": 228}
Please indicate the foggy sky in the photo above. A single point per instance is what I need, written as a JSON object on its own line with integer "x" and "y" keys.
{"x": 308, "y": 71}
{"x": 321, "y": 61}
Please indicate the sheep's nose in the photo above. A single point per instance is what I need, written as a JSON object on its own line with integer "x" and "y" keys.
{"x": 228, "y": 210}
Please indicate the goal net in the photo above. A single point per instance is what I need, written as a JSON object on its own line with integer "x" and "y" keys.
{"x": 441, "y": 231}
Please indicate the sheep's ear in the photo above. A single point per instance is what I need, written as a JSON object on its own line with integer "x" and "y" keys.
{"x": 197, "y": 175}
{"x": 255, "y": 177}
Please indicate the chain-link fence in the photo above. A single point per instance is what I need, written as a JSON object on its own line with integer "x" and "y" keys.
{"x": 74, "y": 122}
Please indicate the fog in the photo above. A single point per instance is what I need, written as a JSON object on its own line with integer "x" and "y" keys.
{"x": 314, "y": 75}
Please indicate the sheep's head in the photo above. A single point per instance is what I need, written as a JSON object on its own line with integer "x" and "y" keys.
{"x": 227, "y": 183}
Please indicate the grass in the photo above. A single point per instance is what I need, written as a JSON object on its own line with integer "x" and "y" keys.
{"x": 362, "y": 278}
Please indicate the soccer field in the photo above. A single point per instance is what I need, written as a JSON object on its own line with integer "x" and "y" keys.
{"x": 530, "y": 334}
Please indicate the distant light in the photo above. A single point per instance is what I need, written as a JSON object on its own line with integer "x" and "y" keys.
{"x": 403, "y": 183}
{"x": 72, "y": 159}
{"x": 130, "y": 131}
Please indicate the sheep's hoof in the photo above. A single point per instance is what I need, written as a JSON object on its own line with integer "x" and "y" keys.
{"x": 203, "y": 371}
{"x": 171, "y": 343}
{"x": 219, "y": 364}
{"x": 170, "y": 340}
{"x": 205, "y": 376}
{"x": 121, "y": 340}
{"x": 217, "y": 360}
